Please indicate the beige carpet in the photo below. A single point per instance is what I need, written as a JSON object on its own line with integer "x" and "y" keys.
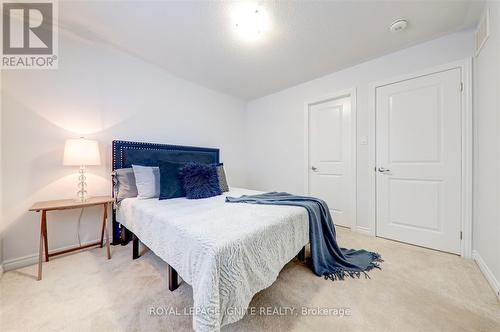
{"x": 417, "y": 290}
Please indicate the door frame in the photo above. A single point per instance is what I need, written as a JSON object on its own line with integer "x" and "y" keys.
{"x": 465, "y": 67}
{"x": 351, "y": 94}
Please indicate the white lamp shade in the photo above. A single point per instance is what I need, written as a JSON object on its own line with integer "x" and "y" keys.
{"x": 81, "y": 152}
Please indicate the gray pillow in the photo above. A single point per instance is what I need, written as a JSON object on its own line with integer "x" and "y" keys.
{"x": 224, "y": 187}
{"x": 147, "y": 181}
{"x": 124, "y": 184}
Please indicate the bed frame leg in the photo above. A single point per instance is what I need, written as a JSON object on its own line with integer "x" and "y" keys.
{"x": 135, "y": 247}
{"x": 116, "y": 228}
{"x": 125, "y": 236}
{"x": 173, "y": 278}
{"x": 302, "y": 254}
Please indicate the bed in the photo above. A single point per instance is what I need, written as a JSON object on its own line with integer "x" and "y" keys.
{"x": 226, "y": 252}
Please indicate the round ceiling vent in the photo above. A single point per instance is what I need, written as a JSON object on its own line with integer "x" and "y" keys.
{"x": 398, "y": 25}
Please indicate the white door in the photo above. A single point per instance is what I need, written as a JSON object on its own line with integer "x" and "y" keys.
{"x": 418, "y": 144}
{"x": 330, "y": 160}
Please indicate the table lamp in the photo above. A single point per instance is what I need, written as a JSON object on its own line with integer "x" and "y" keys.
{"x": 81, "y": 152}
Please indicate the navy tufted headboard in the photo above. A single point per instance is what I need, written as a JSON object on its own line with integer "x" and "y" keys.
{"x": 126, "y": 153}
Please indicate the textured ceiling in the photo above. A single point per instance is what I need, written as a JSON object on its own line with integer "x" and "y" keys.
{"x": 197, "y": 41}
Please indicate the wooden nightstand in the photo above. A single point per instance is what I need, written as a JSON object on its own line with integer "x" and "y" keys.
{"x": 66, "y": 204}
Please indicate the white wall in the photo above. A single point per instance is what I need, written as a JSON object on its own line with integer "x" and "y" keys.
{"x": 104, "y": 94}
{"x": 275, "y": 123}
{"x": 487, "y": 148}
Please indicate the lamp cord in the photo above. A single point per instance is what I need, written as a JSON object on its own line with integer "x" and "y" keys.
{"x": 78, "y": 230}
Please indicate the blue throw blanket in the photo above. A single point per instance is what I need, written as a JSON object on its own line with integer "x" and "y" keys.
{"x": 328, "y": 259}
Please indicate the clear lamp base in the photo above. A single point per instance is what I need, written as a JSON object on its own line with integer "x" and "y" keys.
{"x": 81, "y": 195}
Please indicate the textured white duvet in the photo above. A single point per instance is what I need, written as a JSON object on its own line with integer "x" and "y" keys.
{"x": 227, "y": 252}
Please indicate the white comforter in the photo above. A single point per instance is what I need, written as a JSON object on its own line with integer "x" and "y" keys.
{"x": 227, "y": 252}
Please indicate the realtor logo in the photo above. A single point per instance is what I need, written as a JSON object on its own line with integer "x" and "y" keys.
{"x": 29, "y": 35}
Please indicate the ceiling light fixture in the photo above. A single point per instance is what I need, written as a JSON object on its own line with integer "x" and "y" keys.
{"x": 250, "y": 20}
{"x": 398, "y": 25}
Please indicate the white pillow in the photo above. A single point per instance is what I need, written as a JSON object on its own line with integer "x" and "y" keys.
{"x": 147, "y": 180}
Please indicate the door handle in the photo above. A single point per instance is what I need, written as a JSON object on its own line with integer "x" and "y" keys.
{"x": 314, "y": 169}
{"x": 383, "y": 170}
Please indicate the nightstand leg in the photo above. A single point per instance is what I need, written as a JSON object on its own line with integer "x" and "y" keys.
{"x": 105, "y": 228}
{"x": 42, "y": 239}
{"x": 44, "y": 221}
{"x": 103, "y": 225}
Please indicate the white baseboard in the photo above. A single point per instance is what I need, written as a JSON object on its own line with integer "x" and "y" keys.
{"x": 487, "y": 273}
{"x": 17, "y": 263}
{"x": 363, "y": 230}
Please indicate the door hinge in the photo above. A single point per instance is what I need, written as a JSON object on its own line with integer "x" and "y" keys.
{"x": 461, "y": 86}
{"x": 460, "y": 235}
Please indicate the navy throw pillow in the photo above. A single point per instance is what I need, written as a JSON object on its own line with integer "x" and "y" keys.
{"x": 200, "y": 180}
{"x": 170, "y": 182}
